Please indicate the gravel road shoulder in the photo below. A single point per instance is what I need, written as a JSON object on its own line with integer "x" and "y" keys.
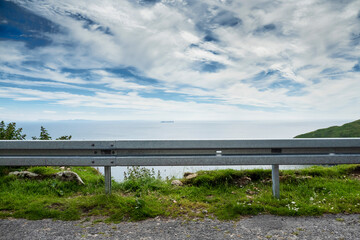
{"x": 257, "y": 227}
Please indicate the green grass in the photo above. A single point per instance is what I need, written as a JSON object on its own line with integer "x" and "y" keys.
{"x": 218, "y": 194}
{"x": 351, "y": 129}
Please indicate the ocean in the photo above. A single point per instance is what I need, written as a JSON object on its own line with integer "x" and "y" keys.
{"x": 175, "y": 130}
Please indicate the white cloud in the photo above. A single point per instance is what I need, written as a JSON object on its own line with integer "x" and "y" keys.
{"x": 12, "y": 52}
{"x": 25, "y": 83}
{"x": 189, "y": 37}
{"x": 81, "y": 113}
{"x": 164, "y": 42}
{"x": 123, "y": 84}
{"x": 42, "y": 73}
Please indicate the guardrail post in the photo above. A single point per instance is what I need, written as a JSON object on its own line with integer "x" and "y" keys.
{"x": 107, "y": 179}
{"x": 275, "y": 181}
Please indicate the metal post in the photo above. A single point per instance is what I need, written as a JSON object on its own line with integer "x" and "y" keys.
{"x": 275, "y": 181}
{"x": 107, "y": 179}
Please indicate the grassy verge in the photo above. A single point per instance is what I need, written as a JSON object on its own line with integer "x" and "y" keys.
{"x": 224, "y": 194}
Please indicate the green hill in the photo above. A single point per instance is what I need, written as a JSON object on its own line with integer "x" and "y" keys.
{"x": 351, "y": 129}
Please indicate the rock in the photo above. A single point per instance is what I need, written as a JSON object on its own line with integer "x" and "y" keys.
{"x": 285, "y": 178}
{"x": 242, "y": 181}
{"x": 69, "y": 176}
{"x": 25, "y": 174}
{"x": 176, "y": 183}
{"x": 191, "y": 176}
{"x": 251, "y": 192}
{"x": 187, "y": 174}
{"x": 304, "y": 177}
{"x": 249, "y": 197}
{"x": 266, "y": 180}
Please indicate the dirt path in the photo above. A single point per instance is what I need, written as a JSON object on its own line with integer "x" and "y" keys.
{"x": 257, "y": 227}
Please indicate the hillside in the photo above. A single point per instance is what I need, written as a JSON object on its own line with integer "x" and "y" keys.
{"x": 351, "y": 129}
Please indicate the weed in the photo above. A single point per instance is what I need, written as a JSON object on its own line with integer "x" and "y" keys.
{"x": 87, "y": 219}
{"x": 45, "y": 171}
{"x": 224, "y": 194}
{"x": 140, "y": 180}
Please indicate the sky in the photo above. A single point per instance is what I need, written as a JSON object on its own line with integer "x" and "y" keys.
{"x": 179, "y": 60}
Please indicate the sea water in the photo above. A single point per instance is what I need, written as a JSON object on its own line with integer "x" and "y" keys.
{"x": 175, "y": 130}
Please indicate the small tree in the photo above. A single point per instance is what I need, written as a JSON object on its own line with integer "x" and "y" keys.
{"x": 10, "y": 132}
{"x": 64, "y": 137}
{"x": 44, "y": 135}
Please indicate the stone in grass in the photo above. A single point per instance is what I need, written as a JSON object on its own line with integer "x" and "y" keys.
{"x": 189, "y": 175}
{"x": 25, "y": 174}
{"x": 176, "y": 183}
{"x": 242, "y": 181}
{"x": 69, "y": 176}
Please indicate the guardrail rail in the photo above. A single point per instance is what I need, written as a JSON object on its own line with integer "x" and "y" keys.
{"x": 110, "y": 153}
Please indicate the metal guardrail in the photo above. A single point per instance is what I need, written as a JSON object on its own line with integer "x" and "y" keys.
{"x": 181, "y": 153}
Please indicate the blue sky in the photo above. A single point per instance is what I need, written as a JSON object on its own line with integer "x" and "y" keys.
{"x": 179, "y": 60}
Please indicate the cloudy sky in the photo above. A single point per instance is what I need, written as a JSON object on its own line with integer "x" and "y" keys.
{"x": 179, "y": 60}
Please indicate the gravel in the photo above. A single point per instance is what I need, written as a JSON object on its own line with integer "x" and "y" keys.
{"x": 257, "y": 227}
